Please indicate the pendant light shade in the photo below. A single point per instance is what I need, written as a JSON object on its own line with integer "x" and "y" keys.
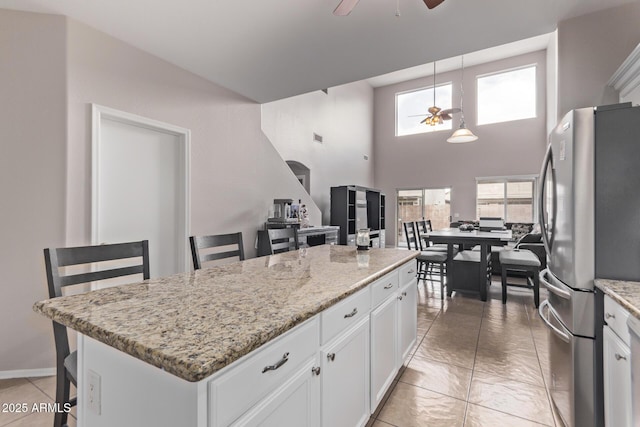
{"x": 462, "y": 134}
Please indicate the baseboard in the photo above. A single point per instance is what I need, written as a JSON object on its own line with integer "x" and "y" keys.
{"x": 27, "y": 373}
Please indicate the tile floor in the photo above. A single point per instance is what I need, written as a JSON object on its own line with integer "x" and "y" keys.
{"x": 474, "y": 364}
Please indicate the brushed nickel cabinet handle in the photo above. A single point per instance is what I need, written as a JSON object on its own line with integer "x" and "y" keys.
{"x": 316, "y": 370}
{"x": 285, "y": 359}
{"x": 618, "y": 357}
{"x": 609, "y": 316}
{"x": 389, "y": 286}
{"x": 331, "y": 357}
{"x": 353, "y": 313}
{"x": 411, "y": 271}
{"x": 400, "y": 297}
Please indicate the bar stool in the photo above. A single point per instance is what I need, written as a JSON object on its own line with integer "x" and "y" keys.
{"x": 200, "y": 244}
{"x": 67, "y": 361}
{"x": 524, "y": 261}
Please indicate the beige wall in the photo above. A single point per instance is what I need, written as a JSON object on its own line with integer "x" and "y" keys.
{"x": 344, "y": 118}
{"x": 32, "y": 179}
{"x": 428, "y": 161}
{"x": 590, "y": 50}
{"x": 52, "y": 70}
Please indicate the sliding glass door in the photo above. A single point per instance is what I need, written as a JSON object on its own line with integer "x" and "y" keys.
{"x": 425, "y": 203}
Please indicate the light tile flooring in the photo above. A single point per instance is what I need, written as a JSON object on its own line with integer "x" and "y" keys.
{"x": 474, "y": 364}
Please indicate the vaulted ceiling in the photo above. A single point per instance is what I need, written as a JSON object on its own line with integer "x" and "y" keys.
{"x": 268, "y": 50}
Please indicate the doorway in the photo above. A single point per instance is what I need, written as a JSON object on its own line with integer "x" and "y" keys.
{"x": 425, "y": 203}
{"x": 140, "y": 186}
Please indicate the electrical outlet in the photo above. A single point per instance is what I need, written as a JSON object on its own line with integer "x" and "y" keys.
{"x": 93, "y": 392}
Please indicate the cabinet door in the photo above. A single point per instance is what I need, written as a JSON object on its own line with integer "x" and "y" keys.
{"x": 345, "y": 378}
{"x": 384, "y": 331}
{"x": 407, "y": 321}
{"x": 295, "y": 404}
{"x": 617, "y": 380}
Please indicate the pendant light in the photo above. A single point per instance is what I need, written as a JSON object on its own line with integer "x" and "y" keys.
{"x": 462, "y": 134}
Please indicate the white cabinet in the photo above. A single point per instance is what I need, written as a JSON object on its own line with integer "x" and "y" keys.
{"x": 345, "y": 378}
{"x": 238, "y": 389}
{"x": 295, "y": 403}
{"x": 634, "y": 328}
{"x": 384, "y": 354}
{"x": 407, "y": 320}
{"x": 616, "y": 367}
{"x": 393, "y": 328}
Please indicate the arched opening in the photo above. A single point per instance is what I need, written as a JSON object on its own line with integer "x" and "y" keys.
{"x": 301, "y": 172}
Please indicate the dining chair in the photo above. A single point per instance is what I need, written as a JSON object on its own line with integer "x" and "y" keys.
{"x": 423, "y": 227}
{"x": 426, "y": 258}
{"x": 55, "y": 259}
{"x": 215, "y": 247}
{"x": 283, "y": 239}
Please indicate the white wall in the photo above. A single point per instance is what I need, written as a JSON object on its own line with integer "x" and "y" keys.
{"x": 235, "y": 171}
{"x": 590, "y": 49}
{"x": 344, "y": 118}
{"x": 32, "y": 179}
{"x": 428, "y": 161}
{"x": 51, "y": 70}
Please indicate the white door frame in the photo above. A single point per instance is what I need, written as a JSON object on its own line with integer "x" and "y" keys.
{"x": 99, "y": 113}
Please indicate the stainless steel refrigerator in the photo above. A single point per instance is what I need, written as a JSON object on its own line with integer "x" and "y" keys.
{"x": 589, "y": 211}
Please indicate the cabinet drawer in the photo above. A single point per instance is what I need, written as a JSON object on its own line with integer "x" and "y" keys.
{"x": 616, "y": 317}
{"x": 237, "y": 390}
{"x": 384, "y": 288}
{"x": 345, "y": 313}
{"x": 407, "y": 272}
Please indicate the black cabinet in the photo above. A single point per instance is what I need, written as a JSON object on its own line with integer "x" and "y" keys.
{"x": 354, "y": 207}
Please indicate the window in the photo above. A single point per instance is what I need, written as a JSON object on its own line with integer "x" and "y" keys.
{"x": 412, "y": 107}
{"x": 506, "y": 96}
{"x": 511, "y": 198}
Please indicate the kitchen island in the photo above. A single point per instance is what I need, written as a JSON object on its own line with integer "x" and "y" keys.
{"x": 246, "y": 342}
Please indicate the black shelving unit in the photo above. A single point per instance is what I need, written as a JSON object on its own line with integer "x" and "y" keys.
{"x": 343, "y": 213}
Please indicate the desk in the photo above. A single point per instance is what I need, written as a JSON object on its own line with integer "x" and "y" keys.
{"x": 486, "y": 239}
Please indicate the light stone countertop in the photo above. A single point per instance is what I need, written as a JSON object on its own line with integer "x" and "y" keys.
{"x": 194, "y": 324}
{"x": 625, "y": 293}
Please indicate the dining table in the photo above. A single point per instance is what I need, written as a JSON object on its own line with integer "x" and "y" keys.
{"x": 485, "y": 239}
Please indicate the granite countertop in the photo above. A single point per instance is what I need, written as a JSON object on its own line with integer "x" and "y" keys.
{"x": 625, "y": 293}
{"x": 193, "y": 324}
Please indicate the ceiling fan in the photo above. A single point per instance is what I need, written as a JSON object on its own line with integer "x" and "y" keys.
{"x": 436, "y": 114}
{"x": 346, "y": 6}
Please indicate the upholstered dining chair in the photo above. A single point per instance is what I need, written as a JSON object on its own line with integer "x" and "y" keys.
{"x": 55, "y": 259}
{"x": 215, "y": 247}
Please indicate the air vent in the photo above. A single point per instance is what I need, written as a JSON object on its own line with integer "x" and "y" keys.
{"x": 317, "y": 138}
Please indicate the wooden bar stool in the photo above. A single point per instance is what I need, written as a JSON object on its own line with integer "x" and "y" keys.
{"x": 524, "y": 261}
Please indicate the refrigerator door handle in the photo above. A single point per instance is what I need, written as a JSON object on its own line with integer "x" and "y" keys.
{"x": 564, "y": 336}
{"x": 552, "y": 288}
{"x": 548, "y": 161}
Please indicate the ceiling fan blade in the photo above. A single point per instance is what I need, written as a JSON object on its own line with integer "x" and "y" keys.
{"x": 424, "y": 120}
{"x": 432, "y": 3}
{"x": 450, "y": 111}
{"x": 345, "y": 7}
{"x": 445, "y": 116}
{"x": 419, "y": 115}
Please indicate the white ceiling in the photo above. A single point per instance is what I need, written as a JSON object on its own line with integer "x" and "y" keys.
{"x": 268, "y": 50}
